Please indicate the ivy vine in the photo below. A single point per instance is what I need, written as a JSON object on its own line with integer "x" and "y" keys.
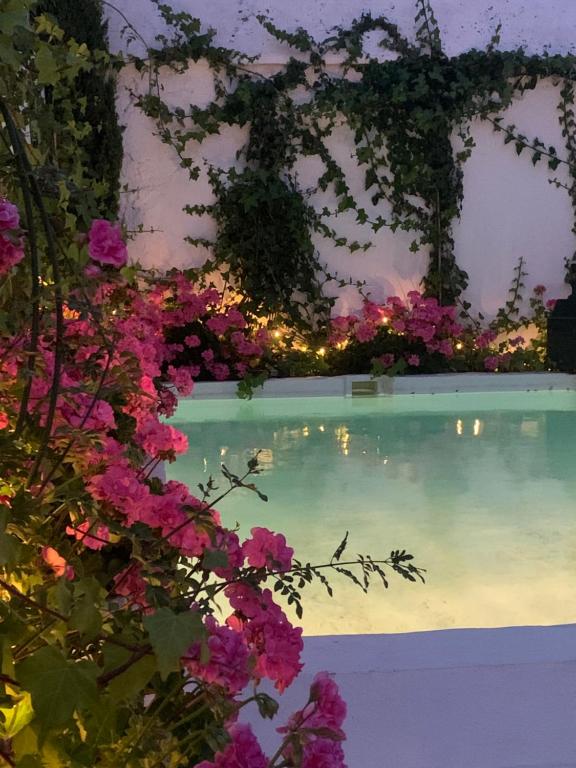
{"x": 410, "y": 115}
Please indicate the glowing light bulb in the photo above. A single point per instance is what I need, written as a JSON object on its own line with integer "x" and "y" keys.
{"x": 277, "y": 335}
{"x": 322, "y": 351}
{"x": 459, "y": 345}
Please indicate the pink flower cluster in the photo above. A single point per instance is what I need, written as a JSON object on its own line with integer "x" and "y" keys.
{"x": 421, "y": 320}
{"x": 267, "y": 550}
{"x": 11, "y": 244}
{"x": 325, "y": 712}
{"x": 272, "y": 640}
{"x": 244, "y": 751}
{"x": 106, "y": 245}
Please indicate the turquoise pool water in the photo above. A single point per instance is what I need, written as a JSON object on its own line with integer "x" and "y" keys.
{"x": 480, "y": 488}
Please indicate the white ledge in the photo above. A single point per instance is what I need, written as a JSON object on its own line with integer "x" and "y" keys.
{"x": 334, "y": 386}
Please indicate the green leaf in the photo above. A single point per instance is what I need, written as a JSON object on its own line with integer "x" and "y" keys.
{"x": 17, "y": 717}
{"x": 47, "y": 66}
{"x": 171, "y": 634}
{"x": 59, "y": 687}
{"x": 9, "y": 550}
{"x": 214, "y": 558}
{"x": 86, "y": 616}
{"x": 131, "y": 683}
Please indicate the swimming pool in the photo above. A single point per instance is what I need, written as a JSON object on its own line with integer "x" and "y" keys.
{"x": 480, "y": 487}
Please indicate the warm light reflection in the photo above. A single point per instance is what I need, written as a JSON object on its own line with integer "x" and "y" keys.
{"x": 321, "y": 428}
{"x": 266, "y": 456}
{"x": 459, "y": 427}
{"x": 223, "y": 451}
{"x": 305, "y": 432}
{"x": 478, "y": 427}
{"x": 343, "y": 439}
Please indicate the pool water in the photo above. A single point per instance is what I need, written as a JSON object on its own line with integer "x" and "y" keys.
{"x": 481, "y": 488}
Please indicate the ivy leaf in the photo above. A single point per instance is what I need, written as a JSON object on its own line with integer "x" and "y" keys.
{"x": 171, "y": 634}
{"x": 58, "y": 687}
{"x": 47, "y": 66}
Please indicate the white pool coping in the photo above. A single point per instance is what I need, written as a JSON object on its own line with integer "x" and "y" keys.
{"x": 324, "y": 386}
{"x": 464, "y": 698}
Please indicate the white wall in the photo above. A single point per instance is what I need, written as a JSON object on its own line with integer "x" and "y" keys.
{"x": 510, "y": 209}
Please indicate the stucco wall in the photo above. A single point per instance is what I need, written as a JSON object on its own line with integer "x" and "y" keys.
{"x": 510, "y": 209}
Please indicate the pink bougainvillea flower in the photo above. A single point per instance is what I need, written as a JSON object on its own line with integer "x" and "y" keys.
{"x": 105, "y": 244}
{"x": 275, "y": 643}
{"x": 9, "y": 215}
{"x": 58, "y": 564}
{"x": 413, "y": 360}
{"x": 326, "y": 708}
{"x": 11, "y": 253}
{"x": 228, "y": 661}
{"x": 491, "y": 362}
{"x": 365, "y": 332}
{"x": 323, "y": 753}
{"x": 485, "y": 339}
{"x": 551, "y": 303}
{"x": 91, "y": 534}
{"x": 183, "y": 380}
{"x": 161, "y": 440}
{"x": 4, "y": 421}
{"x": 192, "y": 340}
{"x": 129, "y": 583}
{"x": 244, "y": 751}
{"x": 267, "y": 549}
{"x": 386, "y": 360}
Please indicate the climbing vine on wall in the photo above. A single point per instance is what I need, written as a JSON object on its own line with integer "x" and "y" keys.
{"x": 410, "y": 115}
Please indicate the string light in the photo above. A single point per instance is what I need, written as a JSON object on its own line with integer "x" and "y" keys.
{"x": 459, "y": 345}
{"x": 322, "y": 351}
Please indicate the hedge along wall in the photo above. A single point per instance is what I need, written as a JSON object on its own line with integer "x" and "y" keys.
{"x": 510, "y": 209}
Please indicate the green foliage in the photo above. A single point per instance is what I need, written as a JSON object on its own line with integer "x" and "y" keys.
{"x": 92, "y": 105}
{"x": 171, "y": 634}
{"x": 60, "y": 89}
{"x": 59, "y": 687}
{"x": 274, "y": 268}
{"x": 410, "y": 116}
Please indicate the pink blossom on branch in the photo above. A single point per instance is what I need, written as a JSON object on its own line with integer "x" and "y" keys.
{"x": 57, "y": 563}
{"x": 92, "y": 534}
{"x": 267, "y": 549}
{"x": 11, "y": 247}
{"x": 244, "y": 751}
{"x": 105, "y": 244}
{"x": 9, "y": 215}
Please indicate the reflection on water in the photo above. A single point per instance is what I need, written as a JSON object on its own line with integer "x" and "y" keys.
{"x": 485, "y": 500}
